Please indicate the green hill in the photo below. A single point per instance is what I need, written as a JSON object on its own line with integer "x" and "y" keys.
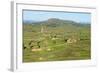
{"x": 56, "y": 39}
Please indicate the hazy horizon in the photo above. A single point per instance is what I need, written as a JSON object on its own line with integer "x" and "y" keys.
{"x": 38, "y": 16}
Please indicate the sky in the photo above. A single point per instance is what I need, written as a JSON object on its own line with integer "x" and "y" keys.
{"x": 29, "y": 15}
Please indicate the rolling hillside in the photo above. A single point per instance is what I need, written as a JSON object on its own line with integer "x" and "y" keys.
{"x": 56, "y": 39}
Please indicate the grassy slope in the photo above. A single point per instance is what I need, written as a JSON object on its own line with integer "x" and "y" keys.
{"x": 59, "y": 50}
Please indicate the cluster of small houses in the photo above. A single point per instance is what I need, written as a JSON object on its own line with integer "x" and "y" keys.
{"x": 66, "y": 40}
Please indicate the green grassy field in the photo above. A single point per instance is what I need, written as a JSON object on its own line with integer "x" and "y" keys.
{"x": 56, "y": 40}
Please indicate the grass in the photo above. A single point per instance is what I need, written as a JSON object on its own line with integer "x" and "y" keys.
{"x": 57, "y": 49}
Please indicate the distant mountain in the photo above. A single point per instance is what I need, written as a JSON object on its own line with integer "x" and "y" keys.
{"x": 53, "y": 22}
{"x": 29, "y": 21}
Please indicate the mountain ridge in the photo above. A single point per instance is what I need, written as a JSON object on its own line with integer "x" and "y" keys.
{"x": 56, "y": 22}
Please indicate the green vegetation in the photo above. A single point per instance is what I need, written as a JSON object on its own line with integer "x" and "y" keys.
{"x": 56, "y": 40}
